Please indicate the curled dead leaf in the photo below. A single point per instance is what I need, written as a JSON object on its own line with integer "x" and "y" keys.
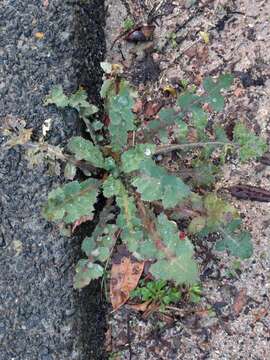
{"x": 207, "y": 107}
{"x": 170, "y": 90}
{"x": 138, "y": 106}
{"x": 39, "y": 35}
{"x": 165, "y": 318}
{"x": 125, "y": 276}
{"x": 22, "y": 138}
{"x": 260, "y": 314}
{"x": 153, "y": 307}
{"x": 151, "y": 108}
{"x": 240, "y": 301}
{"x": 140, "y": 307}
{"x": 249, "y": 192}
{"x": 239, "y": 91}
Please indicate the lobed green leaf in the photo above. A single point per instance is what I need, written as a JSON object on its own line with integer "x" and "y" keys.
{"x": 204, "y": 172}
{"x": 119, "y": 107}
{"x": 57, "y": 97}
{"x": 112, "y": 187}
{"x": 181, "y": 266}
{"x": 214, "y": 98}
{"x": 250, "y": 145}
{"x": 85, "y": 150}
{"x": 78, "y": 101}
{"x": 217, "y": 212}
{"x": 71, "y": 201}
{"x": 238, "y": 243}
{"x": 154, "y": 183}
{"x": 131, "y": 159}
{"x": 86, "y": 271}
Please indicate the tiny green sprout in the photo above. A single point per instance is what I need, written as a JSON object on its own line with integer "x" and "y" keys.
{"x": 233, "y": 272}
{"x": 128, "y": 24}
{"x": 263, "y": 255}
{"x": 159, "y": 292}
{"x": 193, "y": 88}
{"x": 211, "y": 311}
{"x": 184, "y": 84}
{"x": 114, "y": 355}
{"x": 172, "y": 37}
{"x": 195, "y": 293}
{"x": 236, "y": 264}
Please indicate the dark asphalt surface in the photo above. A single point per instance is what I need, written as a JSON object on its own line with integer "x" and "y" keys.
{"x": 41, "y": 316}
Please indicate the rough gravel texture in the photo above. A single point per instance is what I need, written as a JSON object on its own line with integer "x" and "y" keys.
{"x": 43, "y": 43}
{"x": 239, "y": 44}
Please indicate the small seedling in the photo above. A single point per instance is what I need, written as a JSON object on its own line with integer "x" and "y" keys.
{"x": 184, "y": 84}
{"x": 158, "y": 292}
{"x": 128, "y": 24}
{"x": 172, "y": 37}
{"x": 195, "y": 293}
{"x": 233, "y": 272}
{"x": 114, "y": 355}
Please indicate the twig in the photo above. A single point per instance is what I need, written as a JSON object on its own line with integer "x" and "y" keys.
{"x": 120, "y": 36}
{"x": 128, "y": 337}
{"x": 153, "y": 14}
{"x": 169, "y": 148}
{"x": 133, "y": 138}
{"x": 104, "y": 277}
{"x": 181, "y": 312}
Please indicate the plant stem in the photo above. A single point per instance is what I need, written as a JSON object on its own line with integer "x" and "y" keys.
{"x": 167, "y": 148}
{"x": 150, "y": 227}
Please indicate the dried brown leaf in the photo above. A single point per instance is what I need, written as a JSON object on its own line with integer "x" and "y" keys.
{"x": 165, "y": 318}
{"x": 11, "y": 123}
{"x": 150, "y": 310}
{"x": 260, "y": 314}
{"x": 239, "y": 91}
{"x": 240, "y": 301}
{"x": 124, "y": 278}
{"x": 22, "y": 138}
{"x": 138, "y": 106}
{"x": 39, "y": 35}
{"x": 151, "y": 109}
{"x": 140, "y": 307}
{"x": 203, "y": 312}
{"x": 170, "y": 90}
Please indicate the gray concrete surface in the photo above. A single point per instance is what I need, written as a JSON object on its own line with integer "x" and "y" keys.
{"x": 41, "y": 316}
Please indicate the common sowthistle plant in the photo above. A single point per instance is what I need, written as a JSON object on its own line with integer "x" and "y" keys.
{"x": 122, "y": 167}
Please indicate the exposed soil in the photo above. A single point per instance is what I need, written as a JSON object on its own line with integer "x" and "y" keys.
{"x": 237, "y": 327}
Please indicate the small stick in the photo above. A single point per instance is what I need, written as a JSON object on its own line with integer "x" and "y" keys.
{"x": 168, "y": 148}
